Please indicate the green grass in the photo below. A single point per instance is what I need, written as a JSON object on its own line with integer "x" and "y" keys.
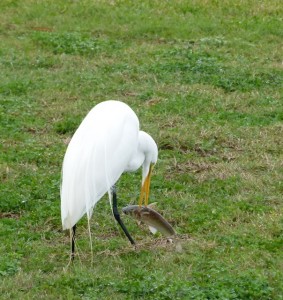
{"x": 205, "y": 79}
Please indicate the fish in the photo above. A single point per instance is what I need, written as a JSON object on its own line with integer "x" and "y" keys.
{"x": 150, "y": 217}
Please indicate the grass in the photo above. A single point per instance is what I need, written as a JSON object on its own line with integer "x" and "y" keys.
{"x": 205, "y": 79}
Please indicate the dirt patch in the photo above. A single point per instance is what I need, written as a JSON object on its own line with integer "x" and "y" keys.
{"x": 9, "y": 216}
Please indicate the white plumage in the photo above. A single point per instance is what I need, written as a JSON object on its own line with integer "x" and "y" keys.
{"x": 106, "y": 144}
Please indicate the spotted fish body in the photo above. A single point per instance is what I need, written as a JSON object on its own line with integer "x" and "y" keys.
{"x": 151, "y": 218}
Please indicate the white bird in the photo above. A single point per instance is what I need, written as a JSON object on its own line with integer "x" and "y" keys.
{"x": 107, "y": 143}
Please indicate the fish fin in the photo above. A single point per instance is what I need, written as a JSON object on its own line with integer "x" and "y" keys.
{"x": 152, "y": 205}
{"x": 152, "y": 229}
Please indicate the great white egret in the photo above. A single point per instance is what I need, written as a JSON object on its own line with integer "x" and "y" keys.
{"x": 107, "y": 143}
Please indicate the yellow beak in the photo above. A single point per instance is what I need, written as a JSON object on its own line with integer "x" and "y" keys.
{"x": 145, "y": 188}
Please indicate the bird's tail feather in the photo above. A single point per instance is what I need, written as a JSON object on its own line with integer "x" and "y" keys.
{"x": 90, "y": 240}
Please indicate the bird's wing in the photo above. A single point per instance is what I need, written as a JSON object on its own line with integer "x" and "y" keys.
{"x": 96, "y": 157}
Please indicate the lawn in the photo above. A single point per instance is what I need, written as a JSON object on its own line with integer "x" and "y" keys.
{"x": 205, "y": 79}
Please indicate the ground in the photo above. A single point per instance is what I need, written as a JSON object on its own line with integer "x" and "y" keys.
{"x": 205, "y": 79}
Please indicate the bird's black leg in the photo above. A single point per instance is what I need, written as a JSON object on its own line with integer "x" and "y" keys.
{"x": 73, "y": 242}
{"x": 117, "y": 215}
